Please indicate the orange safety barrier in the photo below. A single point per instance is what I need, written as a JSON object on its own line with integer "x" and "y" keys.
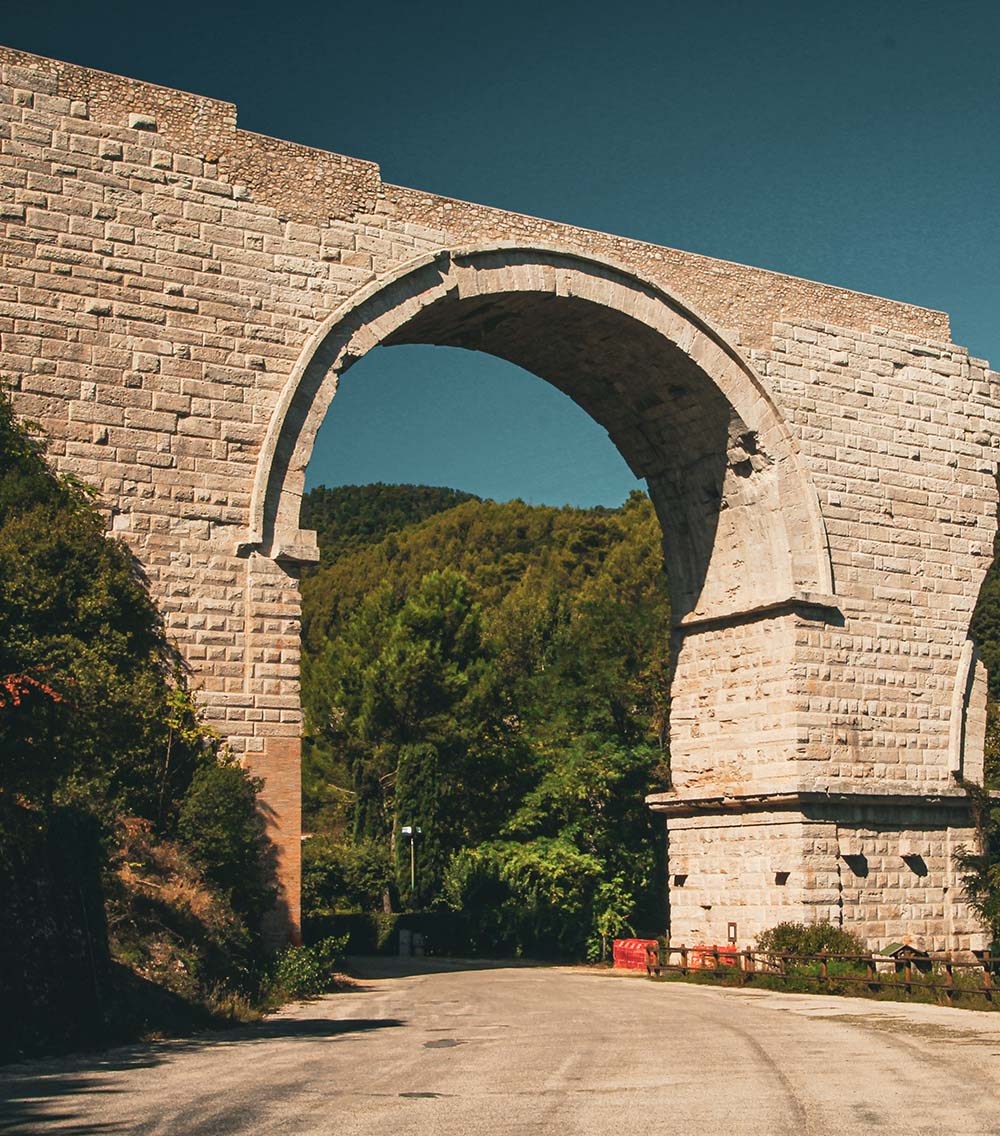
{"x": 630, "y": 954}
{"x": 712, "y": 958}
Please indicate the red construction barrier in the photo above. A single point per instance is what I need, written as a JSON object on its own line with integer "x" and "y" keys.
{"x": 704, "y": 958}
{"x": 630, "y": 954}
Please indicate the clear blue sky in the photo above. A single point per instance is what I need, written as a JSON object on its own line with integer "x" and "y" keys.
{"x": 856, "y": 143}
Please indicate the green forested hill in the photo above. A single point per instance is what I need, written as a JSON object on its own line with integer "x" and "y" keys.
{"x": 492, "y": 545}
{"x": 496, "y": 673}
{"x": 351, "y": 516}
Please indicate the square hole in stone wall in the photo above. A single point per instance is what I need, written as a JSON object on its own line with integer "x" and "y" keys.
{"x": 917, "y": 864}
{"x": 781, "y": 878}
{"x": 680, "y": 880}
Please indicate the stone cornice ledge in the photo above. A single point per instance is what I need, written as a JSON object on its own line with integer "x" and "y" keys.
{"x": 671, "y": 804}
{"x": 824, "y": 605}
{"x": 304, "y": 550}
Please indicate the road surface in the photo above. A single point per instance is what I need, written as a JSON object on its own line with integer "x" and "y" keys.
{"x": 442, "y": 1049}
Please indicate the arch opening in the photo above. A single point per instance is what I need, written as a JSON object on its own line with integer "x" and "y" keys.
{"x": 565, "y": 654}
{"x": 417, "y": 414}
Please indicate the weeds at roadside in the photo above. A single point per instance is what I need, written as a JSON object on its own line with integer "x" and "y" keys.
{"x": 965, "y": 995}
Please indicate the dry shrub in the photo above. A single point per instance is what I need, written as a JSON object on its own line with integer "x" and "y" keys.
{"x": 173, "y": 928}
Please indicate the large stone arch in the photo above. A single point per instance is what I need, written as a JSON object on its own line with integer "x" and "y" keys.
{"x": 745, "y": 544}
{"x": 685, "y": 409}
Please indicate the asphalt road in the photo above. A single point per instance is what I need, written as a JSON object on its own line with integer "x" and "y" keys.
{"x": 528, "y": 1050}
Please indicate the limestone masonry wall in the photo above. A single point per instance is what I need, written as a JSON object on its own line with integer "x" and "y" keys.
{"x": 165, "y": 279}
{"x": 888, "y": 873}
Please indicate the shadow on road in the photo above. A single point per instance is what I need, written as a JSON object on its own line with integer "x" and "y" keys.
{"x": 284, "y": 1027}
{"x": 45, "y": 1095}
{"x": 57, "y": 1093}
{"x": 375, "y": 967}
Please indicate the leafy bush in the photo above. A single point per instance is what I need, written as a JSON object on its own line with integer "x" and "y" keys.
{"x": 613, "y": 907}
{"x": 222, "y": 828}
{"x": 809, "y": 939}
{"x": 343, "y": 877}
{"x": 534, "y": 898}
{"x": 307, "y": 972}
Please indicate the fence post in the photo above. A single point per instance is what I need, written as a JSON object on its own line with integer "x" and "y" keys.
{"x": 748, "y": 966}
{"x": 824, "y": 972}
{"x": 908, "y": 976}
{"x": 988, "y": 979}
{"x": 871, "y": 972}
{"x": 684, "y": 960}
{"x": 949, "y": 983}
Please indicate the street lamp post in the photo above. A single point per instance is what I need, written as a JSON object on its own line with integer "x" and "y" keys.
{"x": 412, "y": 831}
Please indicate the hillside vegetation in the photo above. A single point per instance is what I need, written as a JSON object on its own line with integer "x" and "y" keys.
{"x": 348, "y": 517}
{"x": 133, "y": 871}
{"x": 495, "y": 674}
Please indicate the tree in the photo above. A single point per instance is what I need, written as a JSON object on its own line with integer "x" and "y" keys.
{"x": 420, "y": 804}
{"x": 223, "y": 829}
{"x": 409, "y": 711}
{"x": 528, "y": 898}
{"x": 102, "y": 761}
{"x": 89, "y": 704}
{"x": 520, "y": 702}
{"x": 338, "y": 875}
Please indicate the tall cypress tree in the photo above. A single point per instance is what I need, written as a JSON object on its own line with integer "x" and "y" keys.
{"x": 419, "y": 804}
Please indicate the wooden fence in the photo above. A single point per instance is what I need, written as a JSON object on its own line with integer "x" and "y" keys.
{"x": 871, "y": 972}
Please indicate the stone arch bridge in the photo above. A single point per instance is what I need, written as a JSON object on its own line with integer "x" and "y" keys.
{"x": 179, "y": 297}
